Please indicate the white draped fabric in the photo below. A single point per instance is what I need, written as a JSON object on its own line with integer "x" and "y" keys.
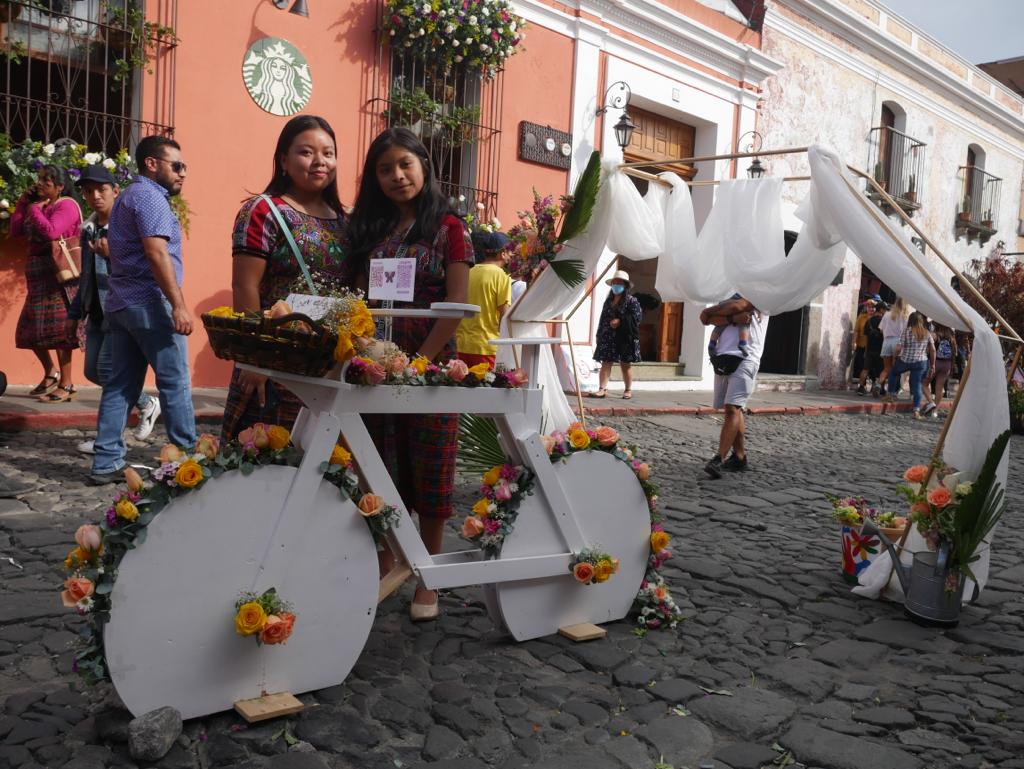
{"x": 740, "y": 248}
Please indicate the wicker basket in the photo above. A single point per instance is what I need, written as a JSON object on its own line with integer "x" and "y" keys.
{"x": 270, "y": 343}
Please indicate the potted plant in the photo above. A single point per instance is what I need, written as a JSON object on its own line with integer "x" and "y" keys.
{"x": 414, "y": 109}
{"x": 911, "y": 193}
{"x": 986, "y": 220}
{"x": 860, "y": 549}
{"x": 965, "y": 209}
{"x": 131, "y": 39}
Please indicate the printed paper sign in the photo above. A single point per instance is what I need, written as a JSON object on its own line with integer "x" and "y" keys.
{"x": 393, "y": 279}
{"x": 308, "y": 304}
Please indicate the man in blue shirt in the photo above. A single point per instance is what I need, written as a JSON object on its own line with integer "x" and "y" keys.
{"x": 144, "y": 307}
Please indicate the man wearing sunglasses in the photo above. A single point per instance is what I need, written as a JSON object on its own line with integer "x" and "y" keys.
{"x": 145, "y": 309}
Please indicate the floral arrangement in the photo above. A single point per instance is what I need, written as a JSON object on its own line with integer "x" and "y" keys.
{"x": 381, "y": 517}
{"x": 467, "y": 34}
{"x": 592, "y": 567}
{"x": 502, "y": 490}
{"x": 384, "y": 363}
{"x": 654, "y": 605}
{"x": 265, "y": 616}
{"x": 853, "y": 511}
{"x": 91, "y": 567}
{"x": 20, "y": 164}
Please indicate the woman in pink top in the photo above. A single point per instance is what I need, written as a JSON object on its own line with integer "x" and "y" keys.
{"x": 43, "y": 215}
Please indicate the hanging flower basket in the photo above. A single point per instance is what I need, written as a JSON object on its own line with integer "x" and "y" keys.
{"x": 474, "y": 35}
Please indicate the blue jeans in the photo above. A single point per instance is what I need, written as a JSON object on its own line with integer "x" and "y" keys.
{"x": 97, "y": 358}
{"x": 143, "y": 336}
{"x": 917, "y": 370}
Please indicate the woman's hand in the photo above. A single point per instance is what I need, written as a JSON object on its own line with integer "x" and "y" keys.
{"x": 614, "y": 323}
{"x": 252, "y": 382}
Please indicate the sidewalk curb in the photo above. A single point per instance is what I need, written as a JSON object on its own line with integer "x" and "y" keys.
{"x": 807, "y": 411}
{"x": 78, "y": 420}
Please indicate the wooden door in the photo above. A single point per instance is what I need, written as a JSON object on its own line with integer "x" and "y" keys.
{"x": 670, "y": 331}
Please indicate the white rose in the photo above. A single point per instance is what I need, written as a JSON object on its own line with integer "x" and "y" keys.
{"x": 449, "y": 29}
{"x": 472, "y": 20}
{"x": 49, "y": 149}
{"x": 458, "y": 59}
{"x": 92, "y": 158}
{"x": 4, "y": 215}
{"x": 495, "y": 223}
{"x": 455, "y": 43}
{"x": 5, "y": 203}
{"x": 109, "y": 164}
{"x": 421, "y": 32}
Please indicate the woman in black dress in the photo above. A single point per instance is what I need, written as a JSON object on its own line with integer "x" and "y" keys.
{"x": 618, "y": 334}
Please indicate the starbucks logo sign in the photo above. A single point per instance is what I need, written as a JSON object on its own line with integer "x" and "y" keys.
{"x": 277, "y": 77}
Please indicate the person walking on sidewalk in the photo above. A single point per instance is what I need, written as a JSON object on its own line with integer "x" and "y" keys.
{"x": 894, "y": 322}
{"x": 915, "y": 352}
{"x": 859, "y": 370}
{"x": 735, "y": 377}
{"x": 99, "y": 190}
{"x": 873, "y": 364}
{"x": 618, "y": 335}
{"x": 145, "y": 310}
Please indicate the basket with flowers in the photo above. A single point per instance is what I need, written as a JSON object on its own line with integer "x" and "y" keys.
{"x": 860, "y": 549}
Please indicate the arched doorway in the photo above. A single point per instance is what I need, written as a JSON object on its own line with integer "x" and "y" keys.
{"x": 785, "y": 342}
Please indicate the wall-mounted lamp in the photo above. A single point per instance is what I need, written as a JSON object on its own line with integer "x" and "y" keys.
{"x": 755, "y": 170}
{"x": 299, "y": 8}
{"x": 625, "y": 127}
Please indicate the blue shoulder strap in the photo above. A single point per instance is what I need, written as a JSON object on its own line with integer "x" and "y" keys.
{"x": 291, "y": 241}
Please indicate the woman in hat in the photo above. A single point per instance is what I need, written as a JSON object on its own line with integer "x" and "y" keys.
{"x": 618, "y": 334}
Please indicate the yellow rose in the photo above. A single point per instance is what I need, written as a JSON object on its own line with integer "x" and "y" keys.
{"x": 659, "y": 541}
{"x": 603, "y": 570}
{"x": 79, "y": 557}
{"x": 189, "y": 475}
{"x": 419, "y": 364}
{"x": 340, "y": 456}
{"x": 480, "y": 370}
{"x": 126, "y": 509}
{"x": 579, "y": 438}
{"x": 492, "y": 476}
{"x": 480, "y": 508}
{"x": 250, "y": 618}
{"x": 279, "y": 437}
{"x": 344, "y": 349}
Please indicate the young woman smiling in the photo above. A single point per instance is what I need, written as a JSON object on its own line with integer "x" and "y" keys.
{"x": 302, "y": 196}
{"x": 401, "y": 212}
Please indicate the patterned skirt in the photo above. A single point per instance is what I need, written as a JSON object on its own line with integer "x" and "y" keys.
{"x": 419, "y": 452}
{"x": 43, "y": 324}
{"x": 241, "y": 411}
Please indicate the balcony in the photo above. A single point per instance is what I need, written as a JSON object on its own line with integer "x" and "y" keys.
{"x": 896, "y": 161}
{"x": 980, "y": 203}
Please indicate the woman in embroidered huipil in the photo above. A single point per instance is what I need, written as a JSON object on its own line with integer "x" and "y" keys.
{"x": 400, "y": 210}
{"x": 264, "y": 268}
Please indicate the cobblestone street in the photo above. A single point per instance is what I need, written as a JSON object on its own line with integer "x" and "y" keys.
{"x": 776, "y": 664}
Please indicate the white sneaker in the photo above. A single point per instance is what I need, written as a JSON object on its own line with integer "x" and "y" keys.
{"x": 147, "y": 418}
{"x": 86, "y": 447}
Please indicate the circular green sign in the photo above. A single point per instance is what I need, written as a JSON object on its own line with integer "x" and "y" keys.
{"x": 277, "y": 77}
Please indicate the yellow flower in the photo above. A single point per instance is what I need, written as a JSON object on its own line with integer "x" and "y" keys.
{"x": 189, "y": 475}
{"x": 480, "y": 370}
{"x": 419, "y": 364}
{"x": 492, "y": 476}
{"x": 250, "y": 618}
{"x": 224, "y": 312}
{"x": 344, "y": 349}
{"x": 603, "y": 570}
{"x": 579, "y": 438}
{"x": 480, "y": 508}
{"x": 126, "y": 509}
{"x": 659, "y": 541}
{"x": 279, "y": 437}
{"x": 361, "y": 322}
{"x": 79, "y": 557}
{"x": 340, "y": 456}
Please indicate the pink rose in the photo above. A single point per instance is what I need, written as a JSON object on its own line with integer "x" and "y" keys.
{"x": 518, "y": 377}
{"x": 472, "y": 527}
{"x": 549, "y": 443}
{"x": 606, "y": 436}
{"x": 207, "y": 445}
{"x": 89, "y": 537}
{"x": 502, "y": 492}
{"x": 397, "y": 364}
{"x": 255, "y": 436}
{"x": 458, "y": 370}
{"x": 374, "y": 374}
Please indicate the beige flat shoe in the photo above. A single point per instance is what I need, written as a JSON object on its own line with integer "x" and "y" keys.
{"x": 424, "y": 612}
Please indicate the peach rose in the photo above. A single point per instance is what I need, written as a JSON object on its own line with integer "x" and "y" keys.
{"x": 279, "y": 309}
{"x": 275, "y": 631}
{"x": 374, "y": 373}
{"x": 583, "y": 572}
{"x": 75, "y": 589}
{"x": 170, "y": 453}
{"x": 370, "y": 505}
{"x": 260, "y": 437}
{"x": 549, "y": 443}
{"x": 643, "y": 472}
{"x": 920, "y": 508}
{"x": 89, "y": 537}
{"x": 940, "y": 497}
{"x": 133, "y": 479}
{"x": 615, "y": 565}
{"x": 916, "y": 474}
{"x": 207, "y": 445}
{"x": 340, "y": 456}
{"x": 289, "y": 619}
{"x": 458, "y": 370}
{"x": 279, "y": 437}
{"x": 472, "y": 527}
{"x": 606, "y": 436}
{"x": 397, "y": 364}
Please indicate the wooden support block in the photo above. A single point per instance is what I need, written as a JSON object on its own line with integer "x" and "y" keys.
{"x": 268, "y": 706}
{"x": 582, "y": 632}
{"x": 393, "y": 580}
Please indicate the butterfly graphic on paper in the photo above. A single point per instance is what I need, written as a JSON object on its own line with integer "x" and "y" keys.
{"x": 393, "y": 279}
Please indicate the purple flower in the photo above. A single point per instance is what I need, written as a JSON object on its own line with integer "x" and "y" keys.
{"x": 74, "y": 173}
{"x": 111, "y": 517}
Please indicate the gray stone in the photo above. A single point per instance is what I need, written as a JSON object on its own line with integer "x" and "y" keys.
{"x": 855, "y": 692}
{"x": 746, "y": 755}
{"x": 298, "y": 760}
{"x": 18, "y": 703}
{"x": 453, "y": 692}
{"x": 900, "y": 634}
{"x": 847, "y": 651}
{"x": 804, "y": 676}
{"x": 680, "y": 740}
{"x": 151, "y": 735}
{"x": 26, "y": 731}
{"x": 601, "y": 656}
{"x": 888, "y": 717}
{"x": 221, "y": 749}
{"x": 634, "y": 675}
{"x": 704, "y": 568}
{"x": 676, "y": 690}
{"x": 749, "y": 713}
{"x": 926, "y": 738}
{"x": 813, "y": 745}
{"x": 1000, "y": 641}
{"x": 588, "y": 713}
{"x": 441, "y": 743}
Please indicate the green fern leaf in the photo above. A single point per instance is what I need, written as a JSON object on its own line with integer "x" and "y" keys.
{"x": 569, "y": 271}
{"x": 584, "y": 197}
{"x": 479, "y": 449}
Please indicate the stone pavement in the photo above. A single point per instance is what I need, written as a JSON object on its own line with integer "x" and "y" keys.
{"x": 777, "y": 664}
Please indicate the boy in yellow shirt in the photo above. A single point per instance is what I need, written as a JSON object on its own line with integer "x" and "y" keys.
{"x": 490, "y": 287}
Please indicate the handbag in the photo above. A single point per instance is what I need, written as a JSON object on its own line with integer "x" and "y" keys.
{"x": 66, "y": 255}
{"x": 724, "y": 365}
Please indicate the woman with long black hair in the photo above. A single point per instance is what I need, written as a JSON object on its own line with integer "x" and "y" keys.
{"x": 401, "y": 212}
{"x": 301, "y": 199}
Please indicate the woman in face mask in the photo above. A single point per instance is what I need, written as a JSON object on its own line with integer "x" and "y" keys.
{"x": 618, "y": 334}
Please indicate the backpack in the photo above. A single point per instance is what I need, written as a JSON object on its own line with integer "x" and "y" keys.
{"x": 944, "y": 351}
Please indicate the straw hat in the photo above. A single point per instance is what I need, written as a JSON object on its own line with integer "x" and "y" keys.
{"x": 619, "y": 275}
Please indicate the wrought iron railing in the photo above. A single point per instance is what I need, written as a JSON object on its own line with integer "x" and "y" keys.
{"x": 980, "y": 201}
{"x": 896, "y": 161}
{"x": 456, "y": 114}
{"x": 98, "y": 72}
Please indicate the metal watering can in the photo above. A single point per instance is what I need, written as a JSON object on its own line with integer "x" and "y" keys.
{"x": 924, "y": 583}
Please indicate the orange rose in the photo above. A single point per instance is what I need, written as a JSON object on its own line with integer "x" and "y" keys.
{"x": 276, "y": 631}
{"x": 279, "y": 437}
{"x": 606, "y": 436}
{"x": 940, "y": 497}
{"x": 170, "y": 453}
{"x": 643, "y": 472}
{"x": 492, "y": 476}
{"x": 340, "y": 456}
{"x": 89, "y": 537}
{"x": 189, "y": 475}
{"x": 482, "y": 507}
{"x": 77, "y": 558}
{"x": 916, "y": 474}
{"x": 659, "y": 540}
{"x": 661, "y": 593}
{"x": 75, "y": 589}
{"x": 207, "y": 445}
{"x": 370, "y": 505}
{"x": 583, "y": 572}
{"x": 472, "y": 527}
{"x": 920, "y": 508}
{"x": 133, "y": 479}
{"x": 289, "y": 619}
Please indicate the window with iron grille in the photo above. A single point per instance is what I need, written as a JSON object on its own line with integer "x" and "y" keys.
{"x": 455, "y": 114}
{"x": 83, "y": 69}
